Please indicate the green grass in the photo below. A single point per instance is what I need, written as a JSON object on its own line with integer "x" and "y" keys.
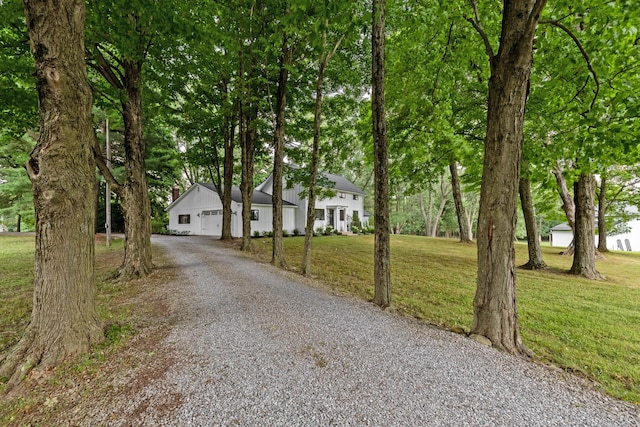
{"x": 16, "y": 283}
{"x": 16, "y": 287}
{"x": 588, "y": 327}
{"x": 29, "y": 406}
{"x": 591, "y": 328}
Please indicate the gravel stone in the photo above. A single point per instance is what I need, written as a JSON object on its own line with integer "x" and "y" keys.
{"x": 257, "y": 346}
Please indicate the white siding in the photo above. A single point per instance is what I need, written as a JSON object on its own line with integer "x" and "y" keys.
{"x": 336, "y": 203}
{"x": 633, "y": 236}
{"x": 289, "y": 219}
{"x": 561, "y": 238}
{"x": 265, "y": 219}
{"x": 192, "y": 203}
{"x": 198, "y": 199}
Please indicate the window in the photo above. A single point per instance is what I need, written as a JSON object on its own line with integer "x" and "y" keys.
{"x": 319, "y": 214}
{"x": 255, "y": 214}
{"x": 342, "y": 195}
{"x": 355, "y": 197}
{"x": 341, "y": 214}
{"x": 355, "y": 215}
{"x": 184, "y": 219}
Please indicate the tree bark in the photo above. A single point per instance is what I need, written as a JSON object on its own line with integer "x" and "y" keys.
{"x": 495, "y": 312}
{"x": 444, "y": 193}
{"x": 247, "y": 141}
{"x": 62, "y": 171}
{"x": 248, "y": 144}
{"x": 602, "y": 214}
{"x": 533, "y": 239}
{"x": 277, "y": 253}
{"x": 19, "y": 224}
{"x": 247, "y": 113}
{"x": 313, "y": 173}
{"x": 229, "y": 137}
{"x": 427, "y": 221}
{"x": 465, "y": 235}
{"x": 584, "y": 258}
{"x": 135, "y": 193}
{"x": 568, "y": 205}
{"x": 382, "y": 254}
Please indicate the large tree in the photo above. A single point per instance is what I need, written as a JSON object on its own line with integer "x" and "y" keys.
{"x": 278, "y": 150}
{"x": 118, "y": 44}
{"x": 382, "y": 253}
{"x": 62, "y": 170}
{"x": 495, "y": 313}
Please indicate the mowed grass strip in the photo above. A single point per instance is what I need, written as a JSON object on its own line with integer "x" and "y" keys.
{"x": 16, "y": 287}
{"x": 126, "y": 309}
{"x": 16, "y": 283}
{"x": 591, "y": 328}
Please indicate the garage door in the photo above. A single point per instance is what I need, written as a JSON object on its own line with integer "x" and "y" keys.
{"x": 212, "y": 223}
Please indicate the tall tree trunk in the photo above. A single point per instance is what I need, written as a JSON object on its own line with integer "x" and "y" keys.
{"x": 248, "y": 134}
{"x": 602, "y": 214}
{"x": 229, "y": 136}
{"x": 277, "y": 253}
{"x": 19, "y": 224}
{"x": 315, "y": 159}
{"x": 533, "y": 239}
{"x": 247, "y": 142}
{"x": 62, "y": 171}
{"x": 423, "y": 210}
{"x": 444, "y": 194}
{"x": 465, "y": 235}
{"x": 135, "y": 193}
{"x": 382, "y": 254}
{"x": 584, "y": 258}
{"x": 315, "y": 151}
{"x": 568, "y": 205}
{"x": 495, "y": 313}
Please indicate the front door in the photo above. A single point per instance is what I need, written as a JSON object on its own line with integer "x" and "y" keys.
{"x": 332, "y": 217}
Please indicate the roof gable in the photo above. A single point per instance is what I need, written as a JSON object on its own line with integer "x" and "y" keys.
{"x": 340, "y": 183}
{"x": 189, "y": 190}
{"x": 258, "y": 197}
{"x": 343, "y": 184}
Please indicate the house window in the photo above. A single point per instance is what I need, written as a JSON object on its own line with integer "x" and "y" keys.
{"x": 255, "y": 214}
{"x": 342, "y": 195}
{"x": 319, "y": 214}
{"x": 184, "y": 219}
{"x": 355, "y": 197}
{"x": 341, "y": 214}
{"x": 355, "y": 215}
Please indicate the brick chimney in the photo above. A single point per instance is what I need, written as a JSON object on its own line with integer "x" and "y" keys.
{"x": 175, "y": 193}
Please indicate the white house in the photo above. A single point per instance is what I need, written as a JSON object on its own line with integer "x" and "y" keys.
{"x": 561, "y": 235}
{"x": 199, "y": 210}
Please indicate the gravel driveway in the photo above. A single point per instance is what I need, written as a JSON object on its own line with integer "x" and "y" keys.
{"x": 254, "y": 347}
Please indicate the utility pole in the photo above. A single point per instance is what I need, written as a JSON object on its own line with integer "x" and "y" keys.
{"x": 107, "y": 207}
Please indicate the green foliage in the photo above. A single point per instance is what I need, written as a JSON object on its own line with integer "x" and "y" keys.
{"x": 18, "y": 97}
{"x": 16, "y": 198}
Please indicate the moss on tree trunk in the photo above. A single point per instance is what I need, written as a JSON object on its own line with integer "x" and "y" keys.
{"x": 62, "y": 171}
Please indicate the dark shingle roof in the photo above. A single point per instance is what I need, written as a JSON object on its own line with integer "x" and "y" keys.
{"x": 343, "y": 184}
{"x": 258, "y": 198}
{"x": 561, "y": 227}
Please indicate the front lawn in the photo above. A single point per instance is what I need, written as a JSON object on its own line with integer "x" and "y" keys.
{"x": 587, "y": 327}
